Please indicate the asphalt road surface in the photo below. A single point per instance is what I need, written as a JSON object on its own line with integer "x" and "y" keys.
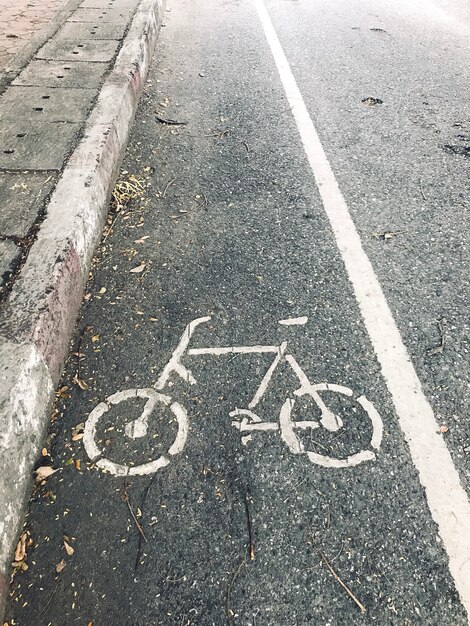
{"x": 296, "y": 162}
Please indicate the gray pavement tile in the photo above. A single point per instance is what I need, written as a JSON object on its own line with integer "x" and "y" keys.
{"x": 109, "y": 4}
{"x": 84, "y": 30}
{"x": 95, "y": 16}
{"x": 62, "y": 74}
{"x": 78, "y": 50}
{"x": 40, "y": 104}
{"x": 43, "y": 146}
{"x": 23, "y": 195}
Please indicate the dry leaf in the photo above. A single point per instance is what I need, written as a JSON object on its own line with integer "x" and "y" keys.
{"x": 60, "y": 566}
{"x": 77, "y": 431}
{"x": 81, "y": 383}
{"x": 20, "y": 551}
{"x": 138, "y": 269}
{"x": 61, "y": 393}
{"x": 77, "y": 464}
{"x": 44, "y": 452}
{"x": 142, "y": 239}
{"x": 443, "y": 428}
{"x": 68, "y": 548}
{"x": 20, "y": 565}
{"x": 103, "y": 290}
{"x": 44, "y": 472}
{"x": 95, "y": 338}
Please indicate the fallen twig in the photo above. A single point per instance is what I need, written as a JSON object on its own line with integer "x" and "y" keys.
{"x": 163, "y": 120}
{"x": 422, "y": 192}
{"x": 386, "y": 235}
{"x": 204, "y": 254}
{"x": 142, "y": 505}
{"x": 343, "y": 585}
{"x": 50, "y": 599}
{"x": 228, "y": 599}
{"x": 168, "y": 186}
{"x": 204, "y": 203}
{"x": 249, "y": 523}
{"x": 125, "y": 498}
{"x": 441, "y": 324}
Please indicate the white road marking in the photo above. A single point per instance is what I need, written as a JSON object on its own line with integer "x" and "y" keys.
{"x": 446, "y": 497}
{"x": 250, "y": 414}
{"x": 134, "y": 431}
{"x": 329, "y": 420}
{"x": 287, "y": 428}
{"x": 174, "y": 364}
{"x": 233, "y": 350}
{"x": 267, "y": 377}
{"x": 294, "y": 321}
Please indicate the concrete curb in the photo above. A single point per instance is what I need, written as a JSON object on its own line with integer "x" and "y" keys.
{"x": 38, "y": 318}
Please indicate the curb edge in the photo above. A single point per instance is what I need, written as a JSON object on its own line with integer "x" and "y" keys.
{"x": 39, "y": 316}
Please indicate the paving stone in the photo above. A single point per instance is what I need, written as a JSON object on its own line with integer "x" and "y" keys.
{"x": 95, "y": 16}
{"x": 21, "y": 20}
{"x": 109, "y": 4}
{"x": 62, "y": 74}
{"x": 43, "y": 146}
{"x": 22, "y": 199}
{"x": 78, "y": 50}
{"x": 9, "y": 257}
{"x": 40, "y": 104}
{"x": 103, "y": 30}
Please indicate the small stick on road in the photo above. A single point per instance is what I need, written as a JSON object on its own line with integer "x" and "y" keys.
{"x": 204, "y": 254}
{"x": 228, "y": 599}
{"x": 249, "y": 523}
{"x": 50, "y": 599}
{"x": 343, "y": 585}
{"x": 422, "y": 192}
{"x": 204, "y": 203}
{"x": 125, "y": 498}
{"x": 162, "y": 120}
{"x": 441, "y": 324}
{"x": 168, "y": 186}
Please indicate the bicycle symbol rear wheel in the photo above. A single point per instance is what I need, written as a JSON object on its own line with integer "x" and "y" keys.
{"x": 153, "y": 397}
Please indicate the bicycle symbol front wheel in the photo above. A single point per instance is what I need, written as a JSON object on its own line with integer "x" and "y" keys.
{"x": 290, "y": 437}
{"x": 140, "y": 427}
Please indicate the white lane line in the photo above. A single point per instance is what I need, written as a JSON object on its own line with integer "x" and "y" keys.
{"x": 446, "y": 497}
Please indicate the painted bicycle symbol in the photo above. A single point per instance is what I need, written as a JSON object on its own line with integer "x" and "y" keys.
{"x": 243, "y": 419}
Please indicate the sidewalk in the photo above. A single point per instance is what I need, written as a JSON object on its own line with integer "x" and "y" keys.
{"x": 69, "y": 84}
{"x": 20, "y": 21}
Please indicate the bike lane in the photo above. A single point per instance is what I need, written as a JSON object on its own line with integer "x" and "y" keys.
{"x": 229, "y": 225}
{"x": 401, "y": 166}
